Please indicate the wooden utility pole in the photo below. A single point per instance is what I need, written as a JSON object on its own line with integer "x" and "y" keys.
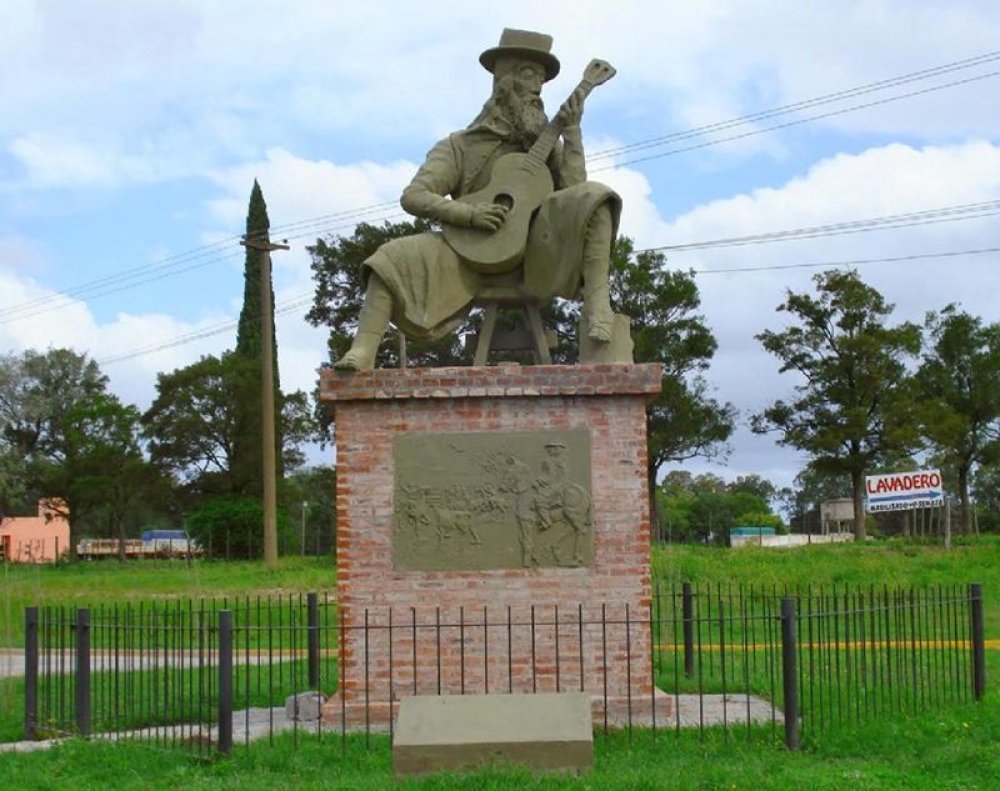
{"x": 265, "y": 246}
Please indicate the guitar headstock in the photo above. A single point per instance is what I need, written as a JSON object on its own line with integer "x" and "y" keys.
{"x": 598, "y": 72}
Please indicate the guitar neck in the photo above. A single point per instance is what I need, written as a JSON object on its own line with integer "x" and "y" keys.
{"x": 546, "y": 141}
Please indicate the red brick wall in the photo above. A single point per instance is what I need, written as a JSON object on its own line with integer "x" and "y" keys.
{"x": 441, "y": 614}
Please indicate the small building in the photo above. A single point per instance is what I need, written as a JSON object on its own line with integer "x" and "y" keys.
{"x": 35, "y": 539}
{"x": 836, "y": 516}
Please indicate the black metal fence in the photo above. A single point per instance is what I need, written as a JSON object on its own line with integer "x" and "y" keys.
{"x": 757, "y": 663}
{"x": 174, "y": 673}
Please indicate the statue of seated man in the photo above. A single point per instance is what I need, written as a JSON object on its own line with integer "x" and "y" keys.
{"x": 424, "y": 286}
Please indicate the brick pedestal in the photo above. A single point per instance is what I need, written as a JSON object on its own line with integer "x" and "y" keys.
{"x": 545, "y": 629}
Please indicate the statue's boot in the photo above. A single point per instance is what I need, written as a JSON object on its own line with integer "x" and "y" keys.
{"x": 372, "y": 324}
{"x": 596, "y": 271}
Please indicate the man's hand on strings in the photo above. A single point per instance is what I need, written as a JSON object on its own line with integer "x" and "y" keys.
{"x": 488, "y": 216}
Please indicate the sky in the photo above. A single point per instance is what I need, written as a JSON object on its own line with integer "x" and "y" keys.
{"x": 131, "y": 134}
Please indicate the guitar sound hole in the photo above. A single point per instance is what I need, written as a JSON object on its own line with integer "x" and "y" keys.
{"x": 505, "y": 200}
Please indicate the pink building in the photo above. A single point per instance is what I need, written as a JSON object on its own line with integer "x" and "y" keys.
{"x": 35, "y": 539}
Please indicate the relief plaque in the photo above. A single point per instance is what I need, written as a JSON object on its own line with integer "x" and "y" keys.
{"x": 480, "y": 500}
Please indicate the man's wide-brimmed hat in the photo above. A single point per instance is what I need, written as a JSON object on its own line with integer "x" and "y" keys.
{"x": 536, "y": 47}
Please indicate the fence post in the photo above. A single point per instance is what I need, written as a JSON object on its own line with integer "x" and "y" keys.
{"x": 312, "y": 604}
{"x": 83, "y": 671}
{"x": 978, "y": 641}
{"x": 789, "y": 673}
{"x": 225, "y": 681}
{"x": 30, "y": 673}
{"x": 687, "y": 613}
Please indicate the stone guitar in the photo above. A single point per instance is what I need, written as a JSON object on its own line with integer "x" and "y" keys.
{"x": 520, "y": 182}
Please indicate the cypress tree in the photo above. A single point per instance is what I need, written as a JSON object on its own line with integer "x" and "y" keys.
{"x": 247, "y": 477}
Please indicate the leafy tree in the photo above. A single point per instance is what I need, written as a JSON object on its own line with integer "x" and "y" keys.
{"x": 712, "y": 515}
{"x": 760, "y": 519}
{"x": 311, "y": 493}
{"x": 233, "y": 527}
{"x": 100, "y": 472}
{"x": 959, "y": 387}
{"x": 742, "y": 503}
{"x": 192, "y": 426}
{"x": 137, "y": 494}
{"x": 68, "y": 434}
{"x": 811, "y": 487}
{"x": 753, "y": 484}
{"x": 684, "y": 421}
{"x": 675, "y": 517}
{"x": 37, "y": 391}
{"x": 666, "y": 328}
{"x": 986, "y": 491}
{"x": 709, "y": 483}
{"x": 247, "y": 454}
{"x": 677, "y": 482}
{"x": 12, "y": 479}
{"x": 705, "y": 507}
{"x": 853, "y": 404}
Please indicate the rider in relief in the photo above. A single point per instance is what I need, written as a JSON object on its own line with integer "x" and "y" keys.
{"x": 426, "y": 284}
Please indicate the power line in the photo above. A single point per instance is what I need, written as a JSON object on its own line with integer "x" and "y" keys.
{"x": 135, "y": 277}
{"x": 891, "y": 222}
{"x": 302, "y": 300}
{"x": 166, "y": 267}
{"x": 797, "y": 122}
{"x": 195, "y": 258}
{"x": 847, "y": 93}
{"x": 845, "y": 262}
{"x": 286, "y": 306}
{"x": 925, "y": 217}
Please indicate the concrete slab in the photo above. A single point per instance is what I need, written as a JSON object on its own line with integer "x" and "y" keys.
{"x": 544, "y": 731}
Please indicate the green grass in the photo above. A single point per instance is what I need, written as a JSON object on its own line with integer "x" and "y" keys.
{"x": 11, "y": 711}
{"x": 943, "y": 751}
{"x": 108, "y": 579}
{"x": 891, "y": 563}
{"x": 110, "y": 582}
{"x": 949, "y": 748}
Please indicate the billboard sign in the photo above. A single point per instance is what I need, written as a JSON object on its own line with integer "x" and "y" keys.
{"x": 901, "y": 491}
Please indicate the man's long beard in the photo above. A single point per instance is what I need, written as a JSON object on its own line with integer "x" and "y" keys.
{"x": 526, "y": 116}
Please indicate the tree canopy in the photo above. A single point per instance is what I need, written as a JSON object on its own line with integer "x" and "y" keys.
{"x": 705, "y": 507}
{"x": 959, "y": 386}
{"x": 247, "y": 463}
{"x": 70, "y": 438}
{"x": 854, "y": 401}
{"x": 193, "y": 425}
{"x": 684, "y": 420}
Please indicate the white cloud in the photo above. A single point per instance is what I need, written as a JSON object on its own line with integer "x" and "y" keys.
{"x": 49, "y": 162}
{"x": 72, "y": 325}
{"x": 136, "y": 91}
{"x": 884, "y": 181}
{"x": 21, "y": 254}
{"x": 331, "y": 111}
{"x": 297, "y": 189}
